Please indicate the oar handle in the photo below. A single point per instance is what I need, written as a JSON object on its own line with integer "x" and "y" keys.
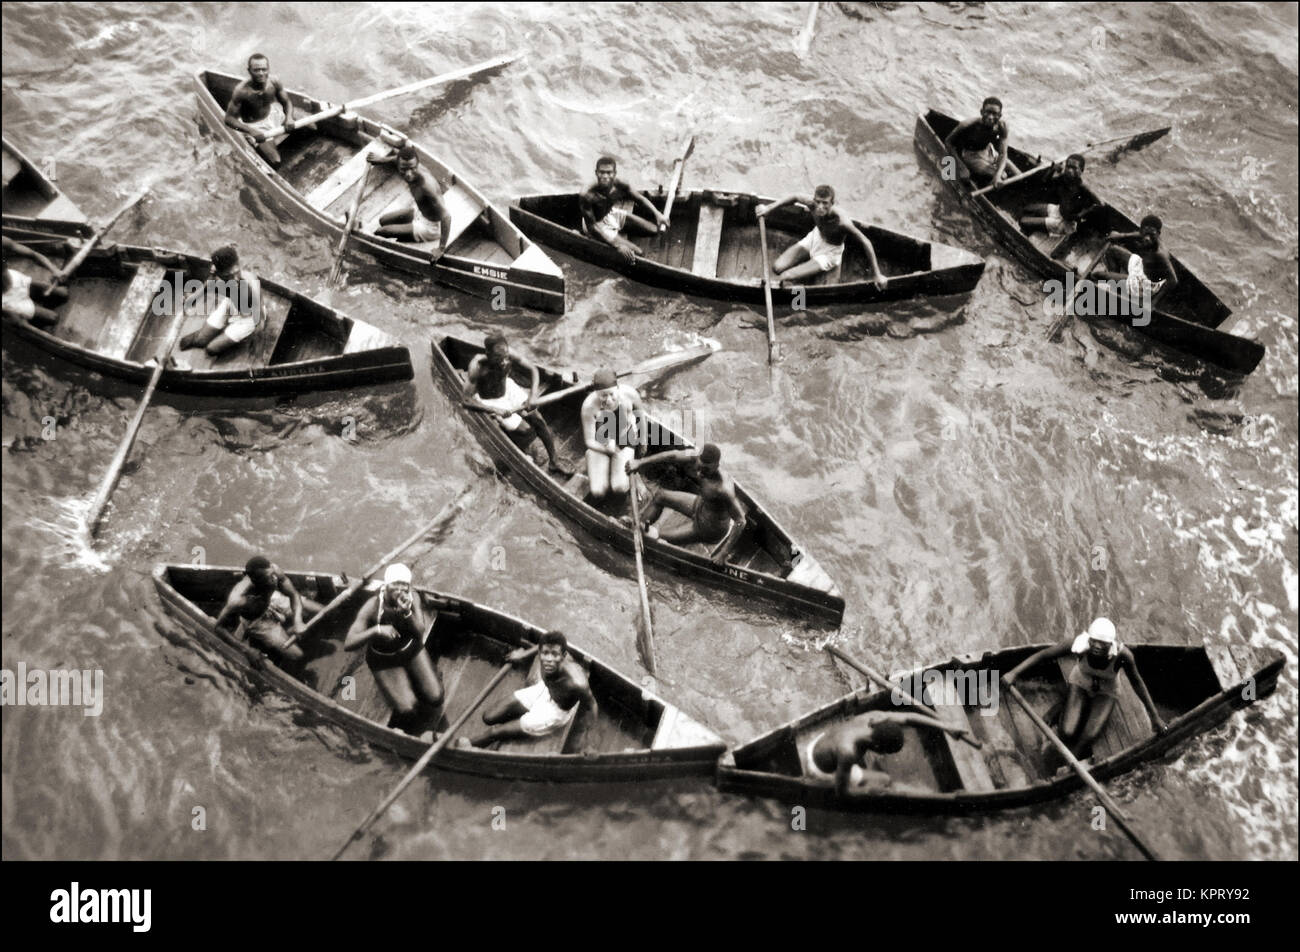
{"x": 767, "y": 291}
{"x": 1015, "y": 178}
{"x": 84, "y": 251}
{"x": 432, "y": 752}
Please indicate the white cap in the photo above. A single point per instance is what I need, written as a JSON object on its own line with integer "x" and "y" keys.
{"x": 397, "y": 572}
{"x": 1102, "y": 629}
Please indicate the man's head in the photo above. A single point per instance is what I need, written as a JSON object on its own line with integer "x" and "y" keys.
{"x": 258, "y": 568}
{"x": 498, "y": 350}
{"x": 397, "y": 586}
{"x": 710, "y": 457}
{"x": 823, "y": 199}
{"x": 887, "y": 738}
{"x": 1101, "y": 637}
{"x": 225, "y": 262}
{"x": 1151, "y": 226}
{"x": 259, "y": 68}
{"x": 991, "y": 111}
{"x": 1074, "y": 167}
{"x": 408, "y": 160}
{"x": 551, "y": 649}
{"x": 606, "y": 169}
{"x": 605, "y": 382}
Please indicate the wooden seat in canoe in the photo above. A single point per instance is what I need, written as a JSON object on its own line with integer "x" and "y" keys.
{"x": 708, "y": 239}
{"x": 1128, "y": 723}
{"x": 970, "y": 763}
{"x": 365, "y": 337}
{"x": 345, "y": 177}
{"x": 120, "y": 330}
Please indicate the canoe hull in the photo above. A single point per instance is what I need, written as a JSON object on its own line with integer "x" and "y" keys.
{"x": 29, "y": 193}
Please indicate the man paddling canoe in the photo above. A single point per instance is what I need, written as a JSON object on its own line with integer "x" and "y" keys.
{"x": 491, "y": 388}
{"x": 981, "y": 144}
{"x": 1098, "y": 660}
{"x": 606, "y": 210}
{"x": 545, "y": 705}
{"x": 1140, "y": 260}
{"x": 393, "y": 627}
{"x": 24, "y": 298}
{"x": 842, "y": 752}
{"x": 613, "y": 426}
{"x": 427, "y": 219}
{"x": 1074, "y": 201}
{"x": 715, "y": 513}
{"x": 260, "y": 105}
{"x": 822, "y": 249}
{"x": 233, "y": 298}
{"x": 267, "y": 602}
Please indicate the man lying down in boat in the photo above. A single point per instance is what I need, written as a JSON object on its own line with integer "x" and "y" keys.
{"x": 822, "y": 249}
{"x": 271, "y": 609}
{"x": 556, "y": 687}
{"x": 1098, "y": 660}
{"x": 716, "y": 514}
{"x": 25, "y": 299}
{"x": 490, "y": 388}
{"x": 607, "y": 210}
{"x": 842, "y": 753}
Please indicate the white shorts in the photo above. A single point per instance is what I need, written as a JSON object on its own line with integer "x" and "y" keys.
{"x": 424, "y": 230}
{"x": 236, "y": 326}
{"x": 1056, "y": 225}
{"x": 274, "y": 120}
{"x": 544, "y": 715}
{"x": 19, "y": 296}
{"x": 514, "y": 398}
{"x": 855, "y": 772}
{"x": 827, "y": 255}
{"x": 613, "y": 223}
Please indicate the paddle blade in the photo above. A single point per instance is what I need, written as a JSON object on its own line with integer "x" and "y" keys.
{"x": 675, "y": 359}
{"x": 1139, "y": 141}
{"x": 645, "y": 648}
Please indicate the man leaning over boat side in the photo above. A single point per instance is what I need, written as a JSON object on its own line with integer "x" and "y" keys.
{"x": 545, "y": 705}
{"x": 229, "y": 292}
{"x": 613, "y": 426}
{"x": 716, "y": 514}
{"x": 266, "y": 601}
{"x": 489, "y": 387}
{"x": 393, "y": 628}
{"x": 21, "y": 293}
{"x": 1093, "y": 683}
{"x": 606, "y": 209}
{"x": 260, "y": 105}
{"x": 981, "y": 144}
{"x": 844, "y": 752}
{"x": 427, "y": 220}
{"x": 822, "y": 249}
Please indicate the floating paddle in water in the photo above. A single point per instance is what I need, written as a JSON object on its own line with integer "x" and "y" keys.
{"x": 1129, "y": 143}
{"x": 645, "y": 643}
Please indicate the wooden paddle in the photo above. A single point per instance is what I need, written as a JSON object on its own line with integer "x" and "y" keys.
{"x": 336, "y": 270}
{"x": 767, "y": 292}
{"x": 1111, "y": 806}
{"x": 84, "y": 251}
{"x": 645, "y": 640}
{"x": 804, "y": 40}
{"x": 1129, "y": 143}
{"x": 674, "y": 182}
{"x": 332, "y": 111}
{"x": 444, "y": 514}
{"x": 872, "y": 675}
{"x": 429, "y": 754}
{"x": 1054, "y": 333}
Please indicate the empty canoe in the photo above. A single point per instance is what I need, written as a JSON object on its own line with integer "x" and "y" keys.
{"x": 636, "y": 736}
{"x": 30, "y": 194}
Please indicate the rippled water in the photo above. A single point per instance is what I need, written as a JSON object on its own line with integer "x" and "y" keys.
{"x": 955, "y": 484}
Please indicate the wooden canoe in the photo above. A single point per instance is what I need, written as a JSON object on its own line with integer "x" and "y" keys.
{"x": 29, "y": 194}
{"x": 712, "y": 249}
{"x": 766, "y": 563}
{"x": 318, "y": 178}
{"x": 120, "y": 306}
{"x": 1189, "y": 319}
{"x": 637, "y": 735}
{"x": 934, "y": 772}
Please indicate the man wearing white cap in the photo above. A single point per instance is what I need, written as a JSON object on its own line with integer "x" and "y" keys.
{"x": 393, "y": 628}
{"x": 1099, "y": 657}
{"x": 613, "y": 425}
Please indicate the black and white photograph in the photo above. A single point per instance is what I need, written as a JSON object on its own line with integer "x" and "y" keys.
{"x": 650, "y": 432}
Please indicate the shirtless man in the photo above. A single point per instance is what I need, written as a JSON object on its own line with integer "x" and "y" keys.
{"x": 822, "y": 249}
{"x": 491, "y": 388}
{"x": 21, "y": 293}
{"x": 259, "y": 105}
{"x": 1154, "y": 267}
{"x": 1099, "y": 658}
{"x": 981, "y": 144}
{"x": 556, "y": 686}
{"x": 265, "y": 599}
{"x": 613, "y": 425}
{"x": 426, "y": 220}
{"x": 1074, "y": 201}
{"x": 842, "y": 751}
{"x": 716, "y": 514}
{"x": 606, "y": 210}
{"x": 228, "y": 293}
{"x": 393, "y": 627}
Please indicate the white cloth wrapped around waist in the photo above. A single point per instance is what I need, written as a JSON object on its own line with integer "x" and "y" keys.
{"x": 544, "y": 716}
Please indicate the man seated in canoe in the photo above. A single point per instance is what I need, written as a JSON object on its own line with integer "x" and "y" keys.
{"x": 1139, "y": 261}
{"x": 393, "y": 628}
{"x": 716, "y": 514}
{"x": 1098, "y": 660}
{"x": 24, "y": 298}
{"x": 545, "y": 705}
{"x": 1074, "y": 201}
{"x": 491, "y": 388}
{"x": 232, "y": 298}
{"x": 613, "y": 426}
{"x": 844, "y": 752}
{"x": 607, "y": 210}
{"x": 270, "y": 606}
{"x": 981, "y": 144}
{"x": 260, "y": 105}
{"x": 427, "y": 219}
{"x": 822, "y": 249}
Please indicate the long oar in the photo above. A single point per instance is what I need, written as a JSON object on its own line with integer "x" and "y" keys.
{"x": 767, "y": 292}
{"x": 1054, "y": 333}
{"x": 109, "y": 482}
{"x": 804, "y": 40}
{"x": 675, "y": 181}
{"x": 336, "y": 271}
{"x": 1111, "y": 806}
{"x": 444, "y": 514}
{"x": 645, "y": 637}
{"x": 1129, "y": 143}
{"x": 873, "y": 675}
{"x": 84, "y": 251}
{"x": 429, "y": 754}
{"x": 333, "y": 111}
